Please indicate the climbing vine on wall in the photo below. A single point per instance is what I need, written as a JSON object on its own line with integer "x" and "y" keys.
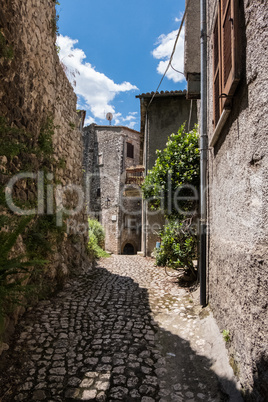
{"x": 21, "y": 273}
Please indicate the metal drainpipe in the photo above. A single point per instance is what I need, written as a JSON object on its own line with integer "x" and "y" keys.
{"x": 144, "y": 207}
{"x": 203, "y": 155}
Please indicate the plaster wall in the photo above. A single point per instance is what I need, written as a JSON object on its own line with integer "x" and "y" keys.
{"x": 192, "y": 38}
{"x": 155, "y": 223}
{"x": 238, "y": 210}
{"x": 166, "y": 114}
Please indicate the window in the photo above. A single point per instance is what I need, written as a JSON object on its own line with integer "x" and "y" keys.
{"x": 130, "y": 222}
{"x": 225, "y": 56}
{"x": 98, "y": 192}
{"x": 130, "y": 150}
{"x": 100, "y": 159}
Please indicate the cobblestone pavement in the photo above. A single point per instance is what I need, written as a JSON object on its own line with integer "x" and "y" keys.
{"x": 123, "y": 331}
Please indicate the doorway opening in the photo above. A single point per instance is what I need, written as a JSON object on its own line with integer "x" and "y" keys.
{"x": 129, "y": 249}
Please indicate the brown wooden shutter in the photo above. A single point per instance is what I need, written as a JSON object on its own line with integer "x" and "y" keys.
{"x": 216, "y": 71}
{"x": 229, "y": 49}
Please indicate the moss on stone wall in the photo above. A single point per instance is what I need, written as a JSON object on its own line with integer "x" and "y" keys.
{"x": 37, "y": 236}
{"x": 37, "y": 103}
{"x": 6, "y": 50}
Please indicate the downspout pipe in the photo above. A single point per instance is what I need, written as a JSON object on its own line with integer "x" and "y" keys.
{"x": 144, "y": 209}
{"x": 203, "y": 155}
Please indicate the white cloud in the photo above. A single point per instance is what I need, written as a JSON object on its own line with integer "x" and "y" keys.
{"x": 163, "y": 51}
{"x": 95, "y": 90}
{"x": 89, "y": 120}
{"x": 129, "y": 118}
{"x": 117, "y": 118}
{"x": 132, "y": 125}
{"x": 180, "y": 17}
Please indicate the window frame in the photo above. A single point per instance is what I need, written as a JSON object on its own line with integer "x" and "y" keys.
{"x": 227, "y": 23}
{"x": 100, "y": 159}
{"x": 130, "y": 150}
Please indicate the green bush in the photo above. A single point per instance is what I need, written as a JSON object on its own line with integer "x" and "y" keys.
{"x": 176, "y": 167}
{"x": 96, "y": 240}
{"x": 176, "y": 172}
{"x": 178, "y": 246}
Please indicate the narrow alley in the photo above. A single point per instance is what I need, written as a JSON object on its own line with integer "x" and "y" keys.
{"x": 123, "y": 331}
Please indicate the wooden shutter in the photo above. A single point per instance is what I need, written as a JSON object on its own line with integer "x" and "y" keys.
{"x": 229, "y": 49}
{"x": 216, "y": 71}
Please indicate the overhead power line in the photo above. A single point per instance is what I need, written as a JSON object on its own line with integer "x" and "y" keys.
{"x": 172, "y": 55}
{"x": 177, "y": 71}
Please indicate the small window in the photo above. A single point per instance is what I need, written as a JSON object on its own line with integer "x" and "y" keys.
{"x": 225, "y": 56}
{"x": 100, "y": 159}
{"x": 98, "y": 192}
{"x": 130, "y": 150}
{"x": 130, "y": 222}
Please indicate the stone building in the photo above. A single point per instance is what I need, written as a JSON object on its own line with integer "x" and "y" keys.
{"x": 111, "y": 155}
{"x": 38, "y": 103}
{"x": 237, "y": 175}
{"x": 160, "y": 118}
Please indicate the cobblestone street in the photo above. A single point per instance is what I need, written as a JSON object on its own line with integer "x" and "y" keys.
{"x": 123, "y": 331}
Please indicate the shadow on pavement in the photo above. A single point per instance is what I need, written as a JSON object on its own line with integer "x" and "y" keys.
{"x": 97, "y": 341}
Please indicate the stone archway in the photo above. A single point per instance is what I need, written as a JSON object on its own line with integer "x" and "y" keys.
{"x": 128, "y": 249}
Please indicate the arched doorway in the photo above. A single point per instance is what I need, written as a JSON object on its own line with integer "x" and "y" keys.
{"x": 129, "y": 249}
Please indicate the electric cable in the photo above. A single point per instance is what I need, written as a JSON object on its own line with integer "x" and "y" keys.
{"x": 177, "y": 71}
{"x": 172, "y": 54}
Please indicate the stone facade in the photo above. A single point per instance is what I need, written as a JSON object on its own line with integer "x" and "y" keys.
{"x": 192, "y": 49}
{"x": 237, "y": 203}
{"x": 34, "y": 88}
{"x": 108, "y": 152}
{"x": 167, "y": 112}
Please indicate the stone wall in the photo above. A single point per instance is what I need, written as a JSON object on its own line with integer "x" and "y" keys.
{"x": 238, "y": 198}
{"x": 134, "y": 139}
{"x": 105, "y": 163}
{"x": 131, "y": 220}
{"x": 34, "y": 90}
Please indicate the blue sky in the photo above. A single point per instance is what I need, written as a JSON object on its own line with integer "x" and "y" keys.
{"x": 113, "y": 51}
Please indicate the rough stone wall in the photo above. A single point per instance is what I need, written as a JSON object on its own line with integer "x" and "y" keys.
{"x": 238, "y": 217}
{"x": 133, "y": 138}
{"x": 131, "y": 222}
{"x": 108, "y": 148}
{"x": 33, "y": 88}
{"x": 105, "y": 160}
